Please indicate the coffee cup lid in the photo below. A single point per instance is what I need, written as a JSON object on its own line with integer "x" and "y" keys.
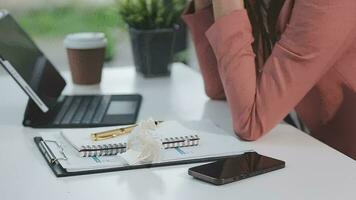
{"x": 86, "y": 40}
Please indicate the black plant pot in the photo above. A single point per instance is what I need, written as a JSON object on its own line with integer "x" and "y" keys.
{"x": 181, "y": 39}
{"x": 152, "y": 50}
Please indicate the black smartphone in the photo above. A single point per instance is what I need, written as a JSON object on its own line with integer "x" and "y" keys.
{"x": 235, "y": 168}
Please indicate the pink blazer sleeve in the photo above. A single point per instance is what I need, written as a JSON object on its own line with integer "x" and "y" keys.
{"x": 199, "y": 22}
{"x": 319, "y": 31}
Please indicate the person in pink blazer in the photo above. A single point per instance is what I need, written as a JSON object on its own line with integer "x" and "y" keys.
{"x": 312, "y": 68}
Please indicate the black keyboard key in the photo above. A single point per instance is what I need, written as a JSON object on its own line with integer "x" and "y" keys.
{"x": 91, "y": 110}
{"x": 81, "y": 110}
{"x": 72, "y": 110}
{"x": 100, "y": 112}
{"x": 64, "y": 108}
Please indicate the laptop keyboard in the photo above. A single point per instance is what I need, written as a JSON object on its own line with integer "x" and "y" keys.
{"x": 83, "y": 110}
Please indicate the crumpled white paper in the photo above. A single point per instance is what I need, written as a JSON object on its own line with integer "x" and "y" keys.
{"x": 142, "y": 145}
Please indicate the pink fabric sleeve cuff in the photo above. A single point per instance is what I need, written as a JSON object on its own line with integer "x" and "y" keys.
{"x": 223, "y": 33}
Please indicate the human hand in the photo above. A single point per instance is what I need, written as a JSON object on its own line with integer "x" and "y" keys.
{"x": 201, "y": 4}
{"x": 225, "y": 7}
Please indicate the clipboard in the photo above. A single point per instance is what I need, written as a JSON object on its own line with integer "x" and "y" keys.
{"x": 59, "y": 171}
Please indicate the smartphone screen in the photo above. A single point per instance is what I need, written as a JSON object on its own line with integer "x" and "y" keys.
{"x": 232, "y": 169}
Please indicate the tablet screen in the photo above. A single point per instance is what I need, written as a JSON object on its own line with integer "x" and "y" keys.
{"x": 29, "y": 65}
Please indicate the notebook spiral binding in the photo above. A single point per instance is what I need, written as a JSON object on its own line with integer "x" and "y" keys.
{"x": 114, "y": 149}
{"x": 184, "y": 141}
{"x": 102, "y": 150}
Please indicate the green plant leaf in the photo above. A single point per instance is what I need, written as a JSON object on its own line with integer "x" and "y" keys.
{"x": 151, "y": 14}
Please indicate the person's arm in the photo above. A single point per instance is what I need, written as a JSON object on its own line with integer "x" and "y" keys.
{"x": 317, "y": 34}
{"x": 201, "y": 4}
{"x": 199, "y": 18}
{"x": 225, "y": 7}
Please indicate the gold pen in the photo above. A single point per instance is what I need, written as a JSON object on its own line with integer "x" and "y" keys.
{"x": 114, "y": 133}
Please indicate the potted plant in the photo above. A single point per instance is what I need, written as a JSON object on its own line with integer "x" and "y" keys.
{"x": 152, "y": 31}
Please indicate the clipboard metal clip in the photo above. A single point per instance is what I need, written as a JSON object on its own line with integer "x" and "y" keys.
{"x": 50, "y": 156}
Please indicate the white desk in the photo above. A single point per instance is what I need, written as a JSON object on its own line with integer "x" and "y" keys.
{"x": 313, "y": 171}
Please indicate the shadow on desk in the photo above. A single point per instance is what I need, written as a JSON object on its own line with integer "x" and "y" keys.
{"x": 143, "y": 183}
{"x": 219, "y": 113}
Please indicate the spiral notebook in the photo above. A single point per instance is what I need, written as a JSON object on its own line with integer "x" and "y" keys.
{"x": 214, "y": 143}
{"x": 171, "y": 133}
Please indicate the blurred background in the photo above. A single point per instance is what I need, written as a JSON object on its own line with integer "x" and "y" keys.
{"x": 49, "y": 21}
